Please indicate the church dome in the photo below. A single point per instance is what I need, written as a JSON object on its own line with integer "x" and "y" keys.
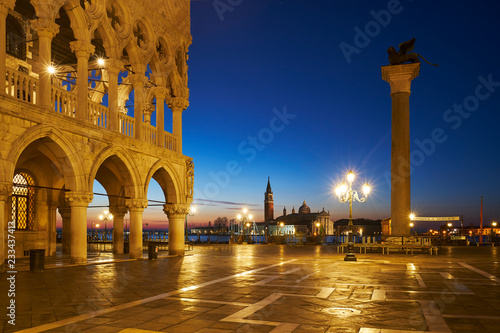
{"x": 304, "y": 209}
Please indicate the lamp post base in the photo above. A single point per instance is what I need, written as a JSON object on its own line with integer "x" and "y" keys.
{"x": 350, "y": 257}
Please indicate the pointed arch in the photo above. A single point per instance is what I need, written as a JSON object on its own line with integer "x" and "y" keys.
{"x": 118, "y": 164}
{"x": 63, "y": 152}
{"x": 166, "y": 176}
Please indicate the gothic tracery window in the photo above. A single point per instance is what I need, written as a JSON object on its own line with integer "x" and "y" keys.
{"x": 23, "y": 201}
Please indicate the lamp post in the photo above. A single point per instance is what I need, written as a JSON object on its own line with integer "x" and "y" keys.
{"x": 345, "y": 194}
{"x": 493, "y": 225}
{"x": 92, "y": 229}
{"x": 192, "y": 211}
{"x": 244, "y": 219}
{"x": 105, "y": 217}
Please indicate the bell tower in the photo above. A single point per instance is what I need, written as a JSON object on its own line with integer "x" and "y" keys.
{"x": 268, "y": 203}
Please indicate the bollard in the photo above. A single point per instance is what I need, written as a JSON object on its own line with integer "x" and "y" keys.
{"x": 152, "y": 251}
{"x": 37, "y": 260}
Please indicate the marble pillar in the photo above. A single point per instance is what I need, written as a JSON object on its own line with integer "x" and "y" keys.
{"x": 79, "y": 202}
{"x": 176, "y": 218}
{"x": 136, "y": 208}
{"x": 83, "y": 50}
{"x": 399, "y": 78}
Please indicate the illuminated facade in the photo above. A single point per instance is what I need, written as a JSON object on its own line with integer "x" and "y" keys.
{"x": 86, "y": 89}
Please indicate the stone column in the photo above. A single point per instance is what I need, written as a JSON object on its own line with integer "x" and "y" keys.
{"x": 46, "y": 30}
{"x": 5, "y": 193}
{"x": 137, "y": 81}
{"x": 160, "y": 94}
{"x": 177, "y": 105}
{"x": 4, "y": 10}
{"x": 65, "y": 213}
{"x": 176, "y": 217}
{"x": 136, "y": 208}
{"x": 118, "y": 214}
{"x": 78, "y": 201}
{"x": 399, "y": 78}
{"x": 113, "y": 67}
{"x": 83, "y": 50}
{"x": 52, "y": 230}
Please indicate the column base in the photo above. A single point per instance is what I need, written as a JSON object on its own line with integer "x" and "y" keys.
{"x": 176, "y": 252}
{"x": 350, "y": 257}
{"x": 78, "y": 260}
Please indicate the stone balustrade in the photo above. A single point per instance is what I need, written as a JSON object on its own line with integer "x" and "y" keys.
{"x": 24, "y": 87}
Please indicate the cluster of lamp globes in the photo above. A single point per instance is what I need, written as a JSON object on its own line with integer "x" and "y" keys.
{"x": 342, "y": 189}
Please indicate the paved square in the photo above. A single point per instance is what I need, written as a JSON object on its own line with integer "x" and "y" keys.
{"x": 265, "y": 288}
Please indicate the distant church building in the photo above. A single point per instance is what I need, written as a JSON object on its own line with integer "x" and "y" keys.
{"x": 303, "y": 222}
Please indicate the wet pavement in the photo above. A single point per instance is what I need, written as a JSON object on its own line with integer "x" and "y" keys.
{"x": 261, "y": 288}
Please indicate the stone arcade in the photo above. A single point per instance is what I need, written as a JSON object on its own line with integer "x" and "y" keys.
{"x": 58, "y": 136}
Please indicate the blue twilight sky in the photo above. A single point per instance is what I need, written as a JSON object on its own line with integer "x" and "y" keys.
{"x": 272, "y": 93}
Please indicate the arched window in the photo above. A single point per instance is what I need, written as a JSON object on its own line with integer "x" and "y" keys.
{"x": 23, "y": 201}
{"x": 16, "y": 38}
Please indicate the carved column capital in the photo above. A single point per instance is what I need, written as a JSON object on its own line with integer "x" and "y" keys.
{"x": 400, "y": 76}
{"x": 65, "y": 212}
{"x": 5, "y": 5}
{"x": 160, "y": 93}
{"x": 118, "y": 211}
{"x": 177, "y": 103}
{"x": 176, "y": 211}
{"x": 82, "y": 48}
{"x": 137, "y": 79}
{"x": 114, "y": 66}
{"x": 78, "y": 199}
{"x": 136, "y": 204}
{"x": 5, "y": 191}
{"x": 45, "y": 27}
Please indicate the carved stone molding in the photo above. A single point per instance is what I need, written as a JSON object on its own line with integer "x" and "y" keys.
{"x": 189, "y": 180}
{"x": 82, "y": 48}
{"x": 114, "y": 66}
{"x": 160, "y": 93}
{"x": 5, "y": 191}
{"x": 137, "y": 79}
{"x": 78, "y": 199}
{"x": 118, "y": 211}
{"x": 45, "y": 27}
{"x": 65, "y": 212}
{"x": 400, "y": 76}
{"x": 5, "y": 5}
{"x": 176, "y": 211}
{"x": 177, "y": 103}
{"x": 136, "y": 204}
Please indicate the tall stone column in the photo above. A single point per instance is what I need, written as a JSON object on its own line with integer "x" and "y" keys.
{"x": 118, "y": 214}
{"x": 399, "y": 78}
{"x": 79, "y": 202}
{"x": 177, "y": 105}
{"x": 5, "y": 5}
{"x": 113, "y": 67}
{"x": 176, "y": 217}
{"x": 83, "y": 50}
{"x": 5, "y": 193}
{"x": 137, "y": 81}
{"x": 160, "y": 94}
{"x": 136, "y": 208}
{"x": 46, "y": 30}
{"x": 65, "y": 213}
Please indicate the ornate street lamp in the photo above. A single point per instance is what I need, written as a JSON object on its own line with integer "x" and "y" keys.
{"x": 107, "y": 216}
{"x": 92, "y": 229}
{"x": 244, "y": 220}
{"x": 192, "y": 211}
{"x": 347, "y": 194}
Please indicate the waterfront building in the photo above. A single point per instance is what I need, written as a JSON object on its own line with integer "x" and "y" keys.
{"x": 84, "y": 99}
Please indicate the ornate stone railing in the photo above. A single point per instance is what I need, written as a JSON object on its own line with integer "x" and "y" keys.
{"x": 126, "y": 125}
{"x": 169, "y": 141}
{"x": 149, "y": 133}
{"x": 64, "y": 101}
{"x": 98, "y": 114}
{"x": 23, "y": 87}
{"x": 20, "y": 86}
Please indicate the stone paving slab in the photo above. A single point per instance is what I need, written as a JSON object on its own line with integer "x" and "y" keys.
{"x": 263, "y": 288}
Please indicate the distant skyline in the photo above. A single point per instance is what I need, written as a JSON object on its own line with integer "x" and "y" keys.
{"x": 293, "y": 90}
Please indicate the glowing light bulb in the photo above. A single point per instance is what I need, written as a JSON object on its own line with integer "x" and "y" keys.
{"x": 51, "y": 69}
{"x": 350, "y": 176}
{"x": 101, "y": 62}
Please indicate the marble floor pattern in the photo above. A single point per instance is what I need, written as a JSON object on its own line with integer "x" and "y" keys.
{"x": 263, "y": 288}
